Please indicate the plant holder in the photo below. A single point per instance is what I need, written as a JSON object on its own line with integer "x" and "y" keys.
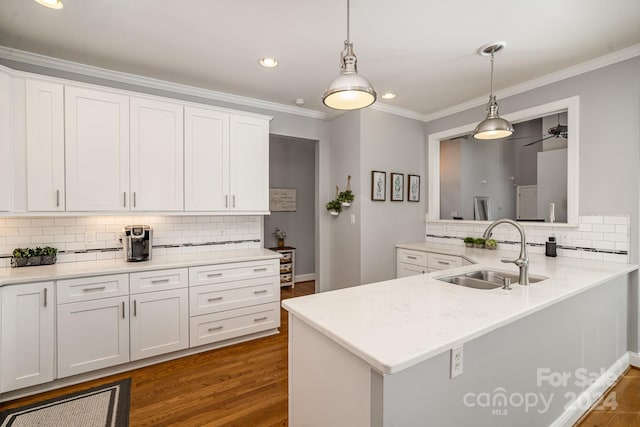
{"x": 345, "y": 197}
{"x": 23, "y": 257}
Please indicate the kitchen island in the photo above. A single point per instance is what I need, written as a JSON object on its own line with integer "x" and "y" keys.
{"x": 379, "y": 354}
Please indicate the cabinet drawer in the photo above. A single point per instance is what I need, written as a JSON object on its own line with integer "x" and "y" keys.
{"x": 90, "y": 288}
{"x": 412, "y": 257}
{"x": 405, "y": 270}
{"x": 233, "y": 323}
{"x": 285, "y": 278}
{"x": 226, "y": 296}
{"x": 286, "y": 268}
{"x": 286, "y": 257}
{"x": 219, "y": 273}
{"x": 160, "y": 280}
{"x": 442, "y": 262}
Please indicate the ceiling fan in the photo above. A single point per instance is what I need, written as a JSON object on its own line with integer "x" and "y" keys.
{"x": 558, "y": 131}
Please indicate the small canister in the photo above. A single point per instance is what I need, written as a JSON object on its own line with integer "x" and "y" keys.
{"x": 550, "y": 247}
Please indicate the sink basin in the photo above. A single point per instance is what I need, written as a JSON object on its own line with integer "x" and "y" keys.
{"x": 485, "y": 279}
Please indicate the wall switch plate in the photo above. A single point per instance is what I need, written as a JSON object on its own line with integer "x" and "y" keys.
{"x": 456, "y": 361}
{"x": 353, "y": 218}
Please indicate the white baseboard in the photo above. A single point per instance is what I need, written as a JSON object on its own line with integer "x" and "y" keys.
{"x": 574, "y": 411}
{"x": 305, "y": 277}
{"x": 634, "y": 359}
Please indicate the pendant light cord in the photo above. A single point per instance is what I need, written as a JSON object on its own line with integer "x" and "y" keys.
{"x": 492, "y": 57}
{"x": 348, "y": 38}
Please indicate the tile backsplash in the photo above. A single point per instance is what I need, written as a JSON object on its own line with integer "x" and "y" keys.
{"x": 597, "y": 237}
{"x": 90, "y": 238}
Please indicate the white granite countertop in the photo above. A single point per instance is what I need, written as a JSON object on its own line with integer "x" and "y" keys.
{"x": 396, "y": 324}
{"x": 12, "y": 276}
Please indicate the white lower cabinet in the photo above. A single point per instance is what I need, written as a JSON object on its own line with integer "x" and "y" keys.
{"x": 413, "y": 262}
{"x": 159, "y": 318}
{"x": 27, "y": 340}
{"x": 92, "y": 335}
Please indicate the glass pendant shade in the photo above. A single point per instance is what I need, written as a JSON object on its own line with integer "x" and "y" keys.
{"x": 493, "y": 127}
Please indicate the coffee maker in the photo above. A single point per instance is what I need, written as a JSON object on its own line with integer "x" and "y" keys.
{"x": 136, "y": 242}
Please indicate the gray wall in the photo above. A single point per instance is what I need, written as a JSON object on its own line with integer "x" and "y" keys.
{"x": 292, "y": 165}
{"x": 609, "y": 140}
{"x": 450, "y": 179}
{"x": 392, "y": 144}
{"x": 526, "y": 158}
{"x": 344, "y": 237}
{"x": 552, "y": 175}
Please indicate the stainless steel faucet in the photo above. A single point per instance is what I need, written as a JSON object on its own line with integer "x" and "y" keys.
{"x": 523, "y": 260}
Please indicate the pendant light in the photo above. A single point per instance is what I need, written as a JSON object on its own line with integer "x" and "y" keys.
{"x": 349, "y": 91}
{"x": 493, "y": 127}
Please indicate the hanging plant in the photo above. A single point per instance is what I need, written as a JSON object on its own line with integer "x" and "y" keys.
{"x": 334, "y": 207}
{"x": 346, "y": 197}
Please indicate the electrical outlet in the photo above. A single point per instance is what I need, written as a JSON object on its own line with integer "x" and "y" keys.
{"x": 456, "y": 361}
{"x": 353, "y": 218}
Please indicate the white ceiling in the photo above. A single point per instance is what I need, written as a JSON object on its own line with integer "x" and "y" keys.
{"x": 425, "y": 51}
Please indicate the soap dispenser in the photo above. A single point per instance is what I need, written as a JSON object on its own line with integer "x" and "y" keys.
{"x": 550, "y": 247}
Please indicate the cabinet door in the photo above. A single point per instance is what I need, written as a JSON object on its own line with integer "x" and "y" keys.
{"x": 26, "y": 353}
{"x": 45, "y": 146}
{"x": 206, "y": 161}
{"x": 92, "y": 335}
{"x": 6, "y": 140}
{"x": 249, "y": 164}
{"x": 156, "y": 156}
{"x": 97, "y": 150}
{"x": 404, "y": 270}
{"x": 159, "y": 322}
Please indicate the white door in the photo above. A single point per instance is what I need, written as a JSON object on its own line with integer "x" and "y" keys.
{"x": 45, "y": 146}
{"x": 92, "y": 335}
{"x": 249, "y": 164}
{"x": 6, "y": 141}
{"x": 26, "y": 353}
{"x": 159, "y": 322}
{"x": 97, "y": 150}
{"x": 156, "y": 155}
{"x": 206, "y": 161}
{"x": 527, "y": 202}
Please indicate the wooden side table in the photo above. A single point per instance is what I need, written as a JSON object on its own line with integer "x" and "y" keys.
{"x": 287, "y": 265}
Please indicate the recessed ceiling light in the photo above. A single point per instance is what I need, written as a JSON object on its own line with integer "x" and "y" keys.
{"x": 388, "y": 95}
{"x": 268, "y": 62}
{"x": 53, "y": 4}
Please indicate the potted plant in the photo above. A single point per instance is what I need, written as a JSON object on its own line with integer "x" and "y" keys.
{"x": 491, "y": 244}
{"x": 20, "y": 256}
{"x": 346, "y": 197}
{"x": 334, "y": 207}
{"x": 35, "y": 256}
{"x": 280, "y": 235}
{"x": 469, "y": 241}
{"x": 48, "y": 255}
{"x": 479, "y": 242}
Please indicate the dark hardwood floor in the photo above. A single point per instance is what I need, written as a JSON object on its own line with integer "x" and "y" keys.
{"x": 240, "y": 385}
{"x": 619, "y": 407}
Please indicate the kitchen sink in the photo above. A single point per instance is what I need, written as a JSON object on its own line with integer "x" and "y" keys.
{"x": 485, "y": 279}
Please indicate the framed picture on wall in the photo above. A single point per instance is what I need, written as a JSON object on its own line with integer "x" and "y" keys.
{"x": 378, "y": 185}
{"x": 397, "y": 187}
{"x": 413, "y": 188}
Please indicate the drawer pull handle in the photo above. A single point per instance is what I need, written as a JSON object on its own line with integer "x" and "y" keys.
{"x": 45, "y": 297}
{"x": 260, "y": 269}
{"x": 217, "y": 328}
{"x": 444, "y": 263}
{"x": 214, "y": 274}
{"x": 99, "y": 288}
{"x": 264, "y": 291}
{"x": 123, "y": 309}
{"x": 411, "y": 257}
{"x": 214, "y": 299}
{"x": 259, "y": 319}
{"x": 135, "y": 308}
{"x": 160, "y": 281}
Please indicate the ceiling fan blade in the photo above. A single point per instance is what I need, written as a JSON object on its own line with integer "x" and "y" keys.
{"x": 540, "y": 140}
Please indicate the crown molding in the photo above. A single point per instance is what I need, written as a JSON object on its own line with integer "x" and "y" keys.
{"x": 149, "y": 82}
{"x": 398, "y": 111}
{"x": 585, "y": 67}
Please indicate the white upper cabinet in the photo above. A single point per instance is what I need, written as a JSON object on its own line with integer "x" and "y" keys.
{"x": 249, "y": 164}
{"x": 6, "y": 141}
{"x": 226, "y": 161}
{"x": 206, "y": 150}
{"x": 156, "y": 155}
{"x": 97, "y": 150}
{"x": 45, "y": 146}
